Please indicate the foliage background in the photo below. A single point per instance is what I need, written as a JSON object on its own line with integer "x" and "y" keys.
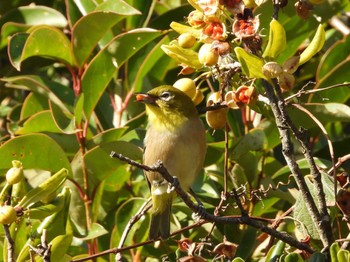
{"x": 69, "y": 70}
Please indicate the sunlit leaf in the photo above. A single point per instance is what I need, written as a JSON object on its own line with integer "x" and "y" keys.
{"x": 251, "y": 64}
{"x": 106, "y": 63}
{"x": 277, "y": 40}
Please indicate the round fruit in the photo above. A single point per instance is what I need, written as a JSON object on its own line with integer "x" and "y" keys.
{"x": 14, "y": 175}
{"x": 198, "y": 97}
{"x": 207, "y": 56}
{"x": 186, "y": 85}
{"x": 272, "y": 70}
{"x": 216, "y": 119}
{"x": 8, "y": 215}
{"x": 186, "y": 40}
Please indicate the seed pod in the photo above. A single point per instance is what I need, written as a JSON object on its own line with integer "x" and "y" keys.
{"x": 8, "y": 215}
{"x": 186, "y": 85}
{"x": 186, "y": 40}
{"x": 286, "y": 81}
{"x": 14, "y": 175}
{"x": 272, "y": 70}
{"x": 207, "y": 56}
{"x": 291, "y": 65}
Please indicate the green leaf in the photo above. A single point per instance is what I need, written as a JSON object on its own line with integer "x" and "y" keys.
{"x": 277, "y": 40}
{"x": 275, "y": 252}
{"x": 123, "y": 215}
{"x": 44, "y": 189}
{"x": 16, "y": 46}
{"x": 58, "y": 48}
{"x": 59, "y": 247}
{"x": 9, "y": 29}
{"x": 255, "y": 140}
{"x": 314, "y": 46}
{"x": 110, "y": 135}
{"x": 78, "y": 109}
{"x": 182, "y": 55}
{"x": 35, "y": 15}
{"x": 95, "y": 231}
{"x": 86, "y": 32}
{"x": 301, "y": 212}
{"x": 180, "y": 28}
{"x": 251, "y": 64}
{"x": 293, "y": 257}
{"x": 334, "y": 249}
{"x": 326, "y": 113}
{"x": 343, "y": 255}
{"x": 33, "y": 103}
{"x": 36, "y": 151}
{"x": 118, "y": 6}
{"x": 106, "y": 63}
{"x": 64, "y": 120}
{"x": 39, "y": 122}
{"x": 57, "y": 93}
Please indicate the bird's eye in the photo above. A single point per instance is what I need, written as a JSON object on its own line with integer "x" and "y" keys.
{"x": 166, "y": 96}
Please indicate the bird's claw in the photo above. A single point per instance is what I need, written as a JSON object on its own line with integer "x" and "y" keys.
{"x": 199, "y": 214}
{"x": 173, "y": 185}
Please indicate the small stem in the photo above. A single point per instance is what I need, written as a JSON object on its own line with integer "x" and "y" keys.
{"x": 10, "y": 244}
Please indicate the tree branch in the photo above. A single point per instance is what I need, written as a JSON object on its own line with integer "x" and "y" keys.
{"x": 285, "y": 125}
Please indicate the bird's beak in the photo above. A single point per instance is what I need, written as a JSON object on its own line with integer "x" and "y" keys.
{"x": 146, "y": 98}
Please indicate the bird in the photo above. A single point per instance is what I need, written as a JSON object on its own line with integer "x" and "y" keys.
{"x": 176, "y": 136}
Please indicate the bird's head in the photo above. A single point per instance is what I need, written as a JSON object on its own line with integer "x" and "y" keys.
{"x": 167, "y": 105}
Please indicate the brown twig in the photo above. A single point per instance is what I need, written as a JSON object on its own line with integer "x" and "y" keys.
{"x": 284, "y": 125}
{"x": 10, "y": 244}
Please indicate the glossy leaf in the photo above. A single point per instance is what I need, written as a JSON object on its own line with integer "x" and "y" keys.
{"x": 106, "y": 63}
{"x": 34, "y": 151}
{"x": 39, "y": 122}
{"x": 34, "y": 103}
{"x": 60, "y": 245}
{"x": 86, "y": 32}
{"x": 64, "y": 120}
{"x": 15, "y": 49}
{"x": 57, "y": 93}
{"x": 107, "y": 136}
{"x": 35, "y": 15}
{"x": 118, "y": 6}
{"x": 95, "y": 231}
{"x": 277, "y": 40}
{"x": 58, "y": 48}
{"x": 9, "y": 29}
{"x": 251, "y": 64}
{"x": 182, "y": 55}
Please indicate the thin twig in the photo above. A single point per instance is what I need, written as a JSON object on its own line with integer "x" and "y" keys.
{"x": 244, "y": 219}
{"x": 311, "y": 91}
{"x": 10, "y": 244}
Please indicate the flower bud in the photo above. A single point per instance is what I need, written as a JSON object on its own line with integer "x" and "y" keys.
{"x": 207, "y": 56}
{"x": 186, "y": 85}
{"x": 8, "y": 215}
{"x": 186, "y": 40}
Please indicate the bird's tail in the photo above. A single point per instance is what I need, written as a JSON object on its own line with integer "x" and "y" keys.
{"x": 160, "y": 222}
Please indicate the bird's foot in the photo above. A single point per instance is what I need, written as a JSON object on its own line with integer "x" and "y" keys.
{"x": 173, "y": 185}
{"x": 200, "y": 213}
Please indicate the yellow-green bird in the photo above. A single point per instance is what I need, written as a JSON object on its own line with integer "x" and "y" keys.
{"x": 176, "y": 136}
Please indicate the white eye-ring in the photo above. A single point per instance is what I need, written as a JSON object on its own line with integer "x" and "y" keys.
{"x": 166, "y": 96}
